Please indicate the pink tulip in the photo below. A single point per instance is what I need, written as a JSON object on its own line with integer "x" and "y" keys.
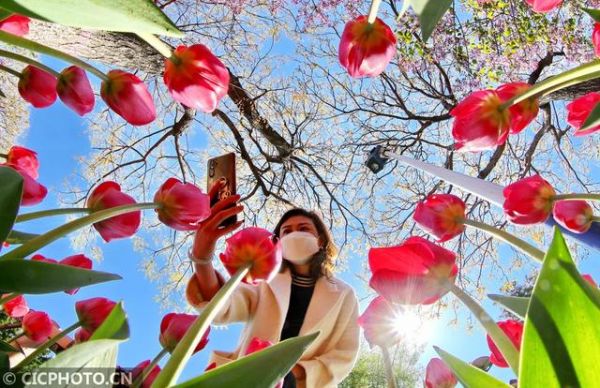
{"x": 523, "y": 113}
{"x": 253, "y": 245}
{"x": 16, "y": 307}
{"x": 127, "y": 95}
{"x": 184, "y": 205}
{"x": 150, "y": 377}
{"x": 514, "y": 330}
{"x": 438, "y": 375}
{"x": 174, "y": 326}
{"x": 108, "y": 195}
{"x": 25, "y": 159}
{"x": 441, "y": 215}
{"x": 544, "y": 6}
{"x": 579, "y": 110}
{"x": 596, "y": 39}
{"x": 75, "y": 91}
{"x": 196, "y": 78}
{"x": 528, "y": 201}
{"x": 15, "y": 24}
{"x": 37, "y": 86}
{"x": 79, "y": 261}
{"x": 33, "y": 191}
{"x": 39, "y": 257}
{"x": 255, "y": 345}
{"x": 366, "y": 49}
{"x": 82, "y": 335}
{"x": 576, "y": 216}
{"x": 380, "y": 323}
{"x": 588, "y": 278}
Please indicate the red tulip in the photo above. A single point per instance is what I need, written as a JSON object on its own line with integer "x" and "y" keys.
{"x": 211, "y": 366}
{"x": 366, "y": 49}
{"x": 75, "y": 91}
{"x": 25, "y": 158}
{"x": 196, "y": 78}
{"x": 127, "y": 95}
{"x": 82, "y": 335}
{"x": 579, "y": 110}
{"x": 37, "y": 326}
{"x": 596, "y": 39}
{"x": 414, "y": 272}
{"x": 522, "y": 113}
{"x": 514, "y": 330}
{"x": 441, "y": 216}
{"x": 37, "y": 86}
{"x": 588, "y": 278}
{"x": 92, "y": 312}
{"x": 479, "y": 124}
{"x": 15, "y": 24}
{"x": 255, "y": 345}
{"x": 254, "y": 245}
{"x": 575, "y": 216}
{"x": 174, "y": 326}
{"x": 80, "y": 261}
{"x": 528, "y": 201}
{"x": 150, "y": 377}
{"x": 543, "y": 5}
{"x": 184, "y": 205}
{"x": 43, "y": 258}
{"x": 33, "y": 191}
{"x": 380, "y": 322}
{"x": 16, "y": 307}
{"x": 108, "y": 195}
{"x": 438, "y": 375}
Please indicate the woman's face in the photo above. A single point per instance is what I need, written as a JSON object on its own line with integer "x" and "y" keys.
{"x": 298, "y": 224}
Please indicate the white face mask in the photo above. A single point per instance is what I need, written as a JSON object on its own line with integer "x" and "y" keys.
{"x": 299, "y": 247}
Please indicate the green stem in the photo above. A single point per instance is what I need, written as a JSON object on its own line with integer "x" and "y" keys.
{"x": 504, "y": 344}
{"x": 24, "y": 59}
{"x": 500, "y": 234}
{"x": 574, "y": 76}
{"x": 389, "y": 371}
{"x": 38, "y": 242}
{"x": 51, "y": 212}
{"x": 589, "y": 196}
{"x": 157, "y": 44}
{"x": 373, "y": 11}
{"x": 184, "y": 350}
{"x": 42, "y": 348}
{"x": 142, "y": 376}
{"x": 8, "y": 298}
{"x": 16, "y": 74}
{"x": 40, "y": 48}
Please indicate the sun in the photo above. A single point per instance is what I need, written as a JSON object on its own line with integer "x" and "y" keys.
{"x": 414, "y": 328}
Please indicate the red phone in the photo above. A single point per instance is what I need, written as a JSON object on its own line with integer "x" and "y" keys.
{"x": 222, "y": 167}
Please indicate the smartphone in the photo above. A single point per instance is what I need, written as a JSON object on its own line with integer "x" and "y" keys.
{"x": 222, "y": 167}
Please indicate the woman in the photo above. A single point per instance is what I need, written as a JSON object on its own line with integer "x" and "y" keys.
{"x": 302, "y": 298}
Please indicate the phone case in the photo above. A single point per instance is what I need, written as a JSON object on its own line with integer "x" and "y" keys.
{"x": 222, "y": 167}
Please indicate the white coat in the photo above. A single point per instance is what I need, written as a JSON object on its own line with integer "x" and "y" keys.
{"x": 333, "y": 310}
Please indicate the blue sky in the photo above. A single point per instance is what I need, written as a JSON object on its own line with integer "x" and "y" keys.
{"x": 60, "y": 138}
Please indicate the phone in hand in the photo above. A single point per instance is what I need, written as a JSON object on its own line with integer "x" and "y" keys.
{"x": 222, "y": 167}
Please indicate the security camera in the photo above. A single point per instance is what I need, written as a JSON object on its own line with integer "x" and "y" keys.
{"x": 376, "y": 161}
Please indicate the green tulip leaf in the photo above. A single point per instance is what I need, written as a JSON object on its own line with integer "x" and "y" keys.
{"x": 115, "y": 326}
{"x": 429, "y": 12}
{"x": 592, "y": 120}
{"x": 136, "y": 16}
{"x": 594, "y": 13}
{"x": 10, "y": 199}
{"x": 469, "y": 375}
{"x": 38, "y": 277}
{"x": 6, "y": 347}
{"x": 4, "y": 14}
{"x": 561, "y": 340}
{"x": 515, "y": 304}
{"x": 250, "y": 371}
{"x": 16, "y": 237}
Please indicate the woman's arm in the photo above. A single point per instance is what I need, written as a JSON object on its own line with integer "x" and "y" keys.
{"x": 206, "y": 237}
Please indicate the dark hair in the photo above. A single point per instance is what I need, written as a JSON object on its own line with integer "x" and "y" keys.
{"x": 322, "y": 262}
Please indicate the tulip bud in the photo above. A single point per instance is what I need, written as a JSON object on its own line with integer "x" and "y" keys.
{"x": 514, "y": 331}
{"x": 252, "y": 245}
{"x": 528, "y": 201}
{"x": 37, "y": 86}
{"x": 16, "y": 307}
{"x": 79, "y": 261}
{"x": 196, "y": 78}
{"x": 380, "y": 323}
{"x": 92, "y": 312}
{"x": 150, "y": 377}
{"x": 574, "y": 215}
{"x": 366, "y": 49}
{"x": 174, "y": 326}
{"x": 127, "y": 95}
{"x": 441, "y": 215}
{"x": 108, "y": 195}
{"x": 579, "y": 110}
{"x": 15, "y": 24}
{"x": 25, "y": 158}
{"x": 37, "y": 326}
{"x": 438, "y": 375}
{"x": 33, "y": 191}
{"x": 524, "y": 112}
{"x": 75, "y": 91}
{"x": 183, "y": 205}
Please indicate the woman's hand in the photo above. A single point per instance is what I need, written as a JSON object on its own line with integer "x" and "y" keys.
{"x": 208, "y": 231}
